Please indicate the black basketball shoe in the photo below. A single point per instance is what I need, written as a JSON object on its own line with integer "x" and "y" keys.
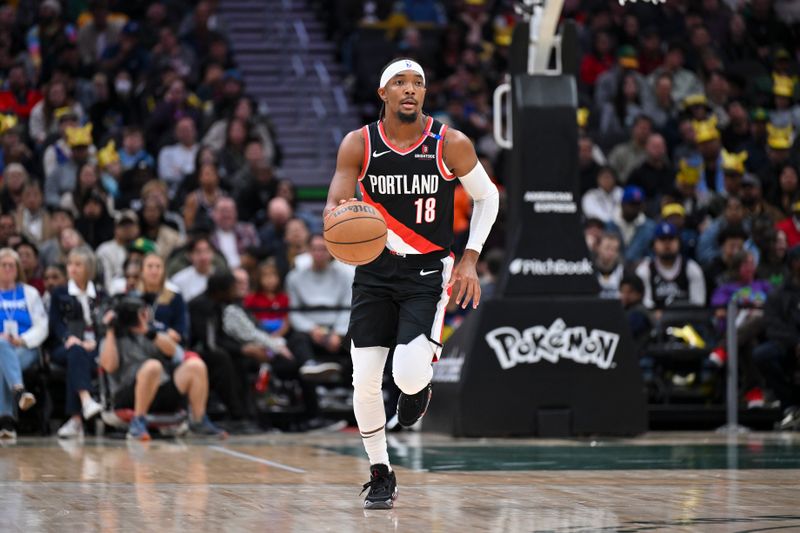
{"x": 411, "y": 408}
{"x": 382, "y": 487}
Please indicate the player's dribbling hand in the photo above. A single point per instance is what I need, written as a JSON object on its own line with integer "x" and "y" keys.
{"x": 466, "y": 275}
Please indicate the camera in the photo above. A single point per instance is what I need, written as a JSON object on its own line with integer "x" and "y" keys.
{"x": 126, "y": 313}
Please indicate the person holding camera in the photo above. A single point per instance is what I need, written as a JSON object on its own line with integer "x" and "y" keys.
{"x": 135, "y": 355}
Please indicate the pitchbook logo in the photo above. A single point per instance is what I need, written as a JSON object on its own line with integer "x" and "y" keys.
{"x": 595, "y": 347}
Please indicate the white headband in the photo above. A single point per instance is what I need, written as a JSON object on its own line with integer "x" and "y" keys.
{"x": 399, "y": 66}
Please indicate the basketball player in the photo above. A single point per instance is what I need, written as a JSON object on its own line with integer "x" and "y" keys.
{"x": 406, "y": 165}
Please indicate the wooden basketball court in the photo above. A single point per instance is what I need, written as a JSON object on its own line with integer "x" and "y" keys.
{"x": 659, "y": 482}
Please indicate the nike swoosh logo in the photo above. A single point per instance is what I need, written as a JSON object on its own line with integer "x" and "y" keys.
{"x": 425, "y": 273}
{"x": 376, "y": 154}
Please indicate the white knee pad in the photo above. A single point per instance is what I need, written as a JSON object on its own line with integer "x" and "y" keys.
{"x": 368, "y": 366}
{"x": 412, "y": 368}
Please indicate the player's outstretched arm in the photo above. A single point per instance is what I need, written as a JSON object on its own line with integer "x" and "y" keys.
{"x": 348, "y": 167}
{"x": 460, "y": 158}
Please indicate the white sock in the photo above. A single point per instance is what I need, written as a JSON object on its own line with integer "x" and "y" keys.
{"x": 368, "y": 407}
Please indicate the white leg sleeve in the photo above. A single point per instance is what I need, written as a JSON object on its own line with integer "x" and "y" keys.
{"x": 412, "y": 368}
{"x": 368, "y": 407}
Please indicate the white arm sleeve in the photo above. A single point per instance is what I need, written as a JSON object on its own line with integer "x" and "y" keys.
{"x": 486, "y": 204}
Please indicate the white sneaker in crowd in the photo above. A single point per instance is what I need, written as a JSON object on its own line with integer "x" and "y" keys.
{"x": 72, "y": 429}
{"x": 91, "y": 409}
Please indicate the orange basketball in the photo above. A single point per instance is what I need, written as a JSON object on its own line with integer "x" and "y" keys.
{"x": 355, "y": 233}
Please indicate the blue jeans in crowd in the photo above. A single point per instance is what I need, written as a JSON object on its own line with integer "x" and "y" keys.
{"x": 80, "y": 366}
{"x": 13, "y": 361}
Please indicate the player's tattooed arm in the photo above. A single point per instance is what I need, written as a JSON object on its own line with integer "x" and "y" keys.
{"x": 458, "y": 152}
{"x": 348, "y": 168}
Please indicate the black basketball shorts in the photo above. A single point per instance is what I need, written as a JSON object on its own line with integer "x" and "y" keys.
{"x": 398, "y": 298}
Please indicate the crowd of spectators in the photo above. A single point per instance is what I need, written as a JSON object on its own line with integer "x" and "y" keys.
{"x": 688, "y": 152}
{"x": 142, "y": 220}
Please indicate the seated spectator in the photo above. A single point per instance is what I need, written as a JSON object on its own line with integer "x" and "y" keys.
{"x": 777, "y": 358}
{"x": 50, "y": 249}
{"x": 20, "y": 95}
{"x": 779, "y": 143}
{"x": 88, "y": 182}
{"x": 176, "y": 107}
{"x": 230, "y": 236}
{"x": 296, "y": 252}
{"x": 790, "y": 226}
{"x": 269, "y": 294}
{"x": 132, "y": 354}
{"x": 271, "y": 234}
{"x": 320, "y": 332}
{"x": 668, "y": 277}
{"x": 197, "y": 210}
{"x": 167, "y": 304}
{"x": 655, "y": 175}
{"x": 684, "y": 81}
{"x": 64, "y": 177}
{"x": 176, "y": 161}
{"x": 708, "y": 243}
{"x": 55, "y": 276}
{"x": 286, "y": 190}
{"x": 24, "y": 330}
{"x": 632, "y": 225}
{"x": 14, "y": 179}
{"x": 30, "y": 267}
{"x": 43, "y": 121}
{"x": 98, "y": 32}
{"x": 608, "y": 265}
{"x": 675, "y": 214}
{"x": 157, "y": 190}
{"x": 231, "y": 157}
{"x": 254, "y": 184}
{"x": 94, "y": 222}
{"x": 631, "y": 293}
{"x": 788, "y": 190}
{"x": 733, "y": 171}
{"x": 133, "y": 153}
{"x": 260, "y": 130}
{"x": 618, "y": 115}
{"x": 32, "y": 219}
{"x": 590, "y": 159}
{"x": 73, "y": 338}
{"x": 604, "y": 200}
{"x": 192, "y": 280}
{"x": 750, "y": 294}
{"x": 128, "y": 56}
{"x": 772, "y": 260}
{"x": 625, "y": 157}
{"x": 129, "y": 280}
{"x": 755, "y": 207}
{"x": 154, "y": 226}
{"x": 730, "y": 242}
{"x": 111, "y": 254}
{"x": 598, "y": 60}
{"x": 12, "y": 145}
{"x": 58, "y": 152}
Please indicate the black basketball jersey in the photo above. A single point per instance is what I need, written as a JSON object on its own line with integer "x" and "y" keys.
{"x": 411, "y": 188}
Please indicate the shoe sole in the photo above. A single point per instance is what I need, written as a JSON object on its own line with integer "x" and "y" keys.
{"x": 381, "y": 505}
{"x": 26, "y": 402}
{"x": 407, "y": 424}
{"x": 330, "y": 374}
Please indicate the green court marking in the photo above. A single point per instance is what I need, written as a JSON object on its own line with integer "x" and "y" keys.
{"x": 611, "y": 457}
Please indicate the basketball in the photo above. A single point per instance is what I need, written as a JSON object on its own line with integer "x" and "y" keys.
{"x": 355, "y": 233}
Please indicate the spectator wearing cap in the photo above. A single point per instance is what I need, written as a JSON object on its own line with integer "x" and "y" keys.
{"x": 59, "y": 152}
{"x": 605, "y": 199}
{"x": 786, "y": 112}
{"x": 779, "y": 143}
{"x": 64, "y": 177}
{"x": 128, "y": 54}
{"x": 669, "y": 277}
{"x": 791, "y": 226}
{"x": 31, "y": 217}
{"x": 608, "y": 83}
{"x": 755, "y": 207}
{"x": 627, "y": 156}
{"x": 778, "y": 357}
{"x": 675, "y": 214}
{"x": 632, "y": 225}
{"x": 18, "y": 94}
{"x": 656, "y": 174}
{"x": 732, "y": 172}
{"x": 685, "y": 193}
{"x": 111, "y": 254}
{"x": 732, "y": 215}
{"x": 756, "y": 146}
{"x": 684, "y": 82}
